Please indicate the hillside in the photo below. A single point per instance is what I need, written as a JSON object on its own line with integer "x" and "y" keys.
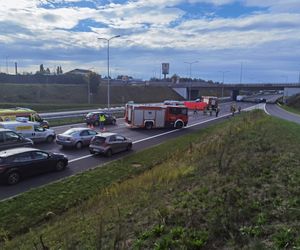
{"x": 294, "y": 102}
{"x": 77, "y": 94}
{"x": 231, "y": 186}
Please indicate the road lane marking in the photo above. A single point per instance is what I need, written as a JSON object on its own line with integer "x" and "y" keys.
{"x": 161, "y": 134}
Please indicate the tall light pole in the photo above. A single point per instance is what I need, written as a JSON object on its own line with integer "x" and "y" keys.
{"x": 223, "y": 76}
{"x": 190, "y": 63}
{"x": 108, "y": 80}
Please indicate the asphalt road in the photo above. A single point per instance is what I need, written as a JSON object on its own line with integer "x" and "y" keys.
{"x": 81, "y": 160}
{"x": 275, "y": 110}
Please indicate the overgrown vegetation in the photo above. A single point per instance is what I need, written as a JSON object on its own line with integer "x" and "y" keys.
{"x": 233, "y": 186}
{"x": 66, "y": 95}
{"x": 293, "y": 104}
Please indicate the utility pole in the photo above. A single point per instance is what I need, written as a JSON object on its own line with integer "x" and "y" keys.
{"x": 6, "y": 65}
{"x": 241, "y": 73}
{"x": 190, "y": 85}
{"x": 108, "y": 80}
{"x": 16, "y": 68}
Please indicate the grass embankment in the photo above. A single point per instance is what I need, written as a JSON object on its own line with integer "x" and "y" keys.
{"x": 234, "y": 185}
{"x": 293, "y": 104}
{"x": 52, "y": 97}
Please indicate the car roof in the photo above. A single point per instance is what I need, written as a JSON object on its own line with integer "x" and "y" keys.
{"x": 78, "y": 129}
{"x": 13, "y": 151}
{"x": 5, "y": 129}
{"x": 106, "y": 134}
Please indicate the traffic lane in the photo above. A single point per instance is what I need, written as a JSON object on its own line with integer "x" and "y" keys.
{"x": 87, "y": 161}
{"x": 91, "y": 161}
{"x": 275, "y": 110}
{"x": 134, "y": 134}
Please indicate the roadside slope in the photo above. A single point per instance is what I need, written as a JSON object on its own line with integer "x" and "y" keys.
{"x": 234, "y": 185}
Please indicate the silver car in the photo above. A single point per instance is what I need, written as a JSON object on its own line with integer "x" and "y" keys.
{"x": 76, "y": 137}
{"x": 109, "y": 143}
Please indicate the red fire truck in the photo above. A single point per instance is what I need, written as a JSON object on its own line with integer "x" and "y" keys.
{"x": 205, "y": 102}
{"x": 155, "y": 116}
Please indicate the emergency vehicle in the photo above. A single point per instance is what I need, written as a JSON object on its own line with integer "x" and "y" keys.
{"x": 155, "y": 116}
{"x": 12, "y": 113}
{"x": 28, "y": 129}
{"x": 203, "y": 103}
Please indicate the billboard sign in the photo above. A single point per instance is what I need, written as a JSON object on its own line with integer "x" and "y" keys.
{"x": 165, "y": 68}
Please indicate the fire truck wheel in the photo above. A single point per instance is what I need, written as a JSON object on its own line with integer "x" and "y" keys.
{"x": 148, "y": 125}
{"x": 179, "y": 124}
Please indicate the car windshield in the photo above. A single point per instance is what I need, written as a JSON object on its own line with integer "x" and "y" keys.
{"x": 90, "y": 114}
{"x": 99, "y": 139}
{"x": 70, "y": 132}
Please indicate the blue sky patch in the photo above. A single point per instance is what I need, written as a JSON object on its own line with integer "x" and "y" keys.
{"x": 86, "y": 25}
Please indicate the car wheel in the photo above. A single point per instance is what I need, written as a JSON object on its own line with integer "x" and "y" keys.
{"x": 109, "y": 153}
{"x": 129, "y": 147}
{"x": 50, "y": 139}
{"x": 92, "y": 152}
{"x": 60, "y": 166}
{"x": 78, "y": 145}
{"x": 113, "y": 122}
{"x": 148, "y": 125}
{"x": 13, "y": 178}
{"x": 96, "y": 123}
{"x": 179, "y": 125}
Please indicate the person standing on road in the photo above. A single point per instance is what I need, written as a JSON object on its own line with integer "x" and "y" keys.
{"x": 210, "y": 111}
{"x": 232, "y": 109}
{"x": 102, "y": 121}
{"x": 239, "y": 109}
{"x": 217, "y": 111}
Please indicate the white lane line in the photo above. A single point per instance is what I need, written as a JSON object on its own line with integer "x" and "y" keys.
{"x": 155, "y": 136}
{"x": 80, "y": 158}
{"x": 265, "y": 109}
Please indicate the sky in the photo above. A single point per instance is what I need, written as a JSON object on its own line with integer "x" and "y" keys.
{"x": 235, "y": 41}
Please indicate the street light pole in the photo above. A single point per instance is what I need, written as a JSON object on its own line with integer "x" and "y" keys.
{"x": 190, "y": 87}
{"x": 223, "y": 76}
{"x": 108, "y": 80}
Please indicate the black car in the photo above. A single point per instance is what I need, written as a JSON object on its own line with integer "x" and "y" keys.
{"x": 92, "y": 118}
{"x": 10, "y": 139}
{"x": 18, "y": 163}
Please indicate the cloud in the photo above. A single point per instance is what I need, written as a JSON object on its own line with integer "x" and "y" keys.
{"x": 152, "y": 31}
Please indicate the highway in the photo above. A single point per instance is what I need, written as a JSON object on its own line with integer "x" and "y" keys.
{"x": 81, "y": 160}
{"x": 275, "y": 110}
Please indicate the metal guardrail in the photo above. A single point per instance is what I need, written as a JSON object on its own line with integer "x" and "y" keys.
{"x": 78, "y": 113}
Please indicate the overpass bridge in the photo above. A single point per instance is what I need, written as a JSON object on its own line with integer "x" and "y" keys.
{"x": 194, "y": 90}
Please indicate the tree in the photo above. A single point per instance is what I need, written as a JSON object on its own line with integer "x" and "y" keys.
{"x": 42, "y": 70}
{"x": 94, "y": 81}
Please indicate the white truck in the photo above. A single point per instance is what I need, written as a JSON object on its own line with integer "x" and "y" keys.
{"x": 31, "y": 130}
{"x": 240, "y": 98}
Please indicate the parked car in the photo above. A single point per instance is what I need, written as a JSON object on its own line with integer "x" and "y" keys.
{"x": 109, "y": 143}
{"x": 18, "y": 163}
{"x": 10, "y": 139}
{"x": 92, "y": 118}
{"x": 260, "y": 100}
{"x": 76, "y": 137}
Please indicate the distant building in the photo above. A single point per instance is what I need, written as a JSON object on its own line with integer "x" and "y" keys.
{"x": 79, "y": 72}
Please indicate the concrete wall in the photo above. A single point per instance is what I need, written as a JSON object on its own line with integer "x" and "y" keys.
{"x": 182, "y": 91}
{"x": 288, "y": 92}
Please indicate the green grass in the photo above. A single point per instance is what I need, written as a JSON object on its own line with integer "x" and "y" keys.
{"x": 230, "y": 186}
{"x": 291, "y": 109}
{"x": 53, "y": 97}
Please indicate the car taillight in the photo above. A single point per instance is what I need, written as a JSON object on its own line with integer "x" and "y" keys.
{"x": 2, "y": 169}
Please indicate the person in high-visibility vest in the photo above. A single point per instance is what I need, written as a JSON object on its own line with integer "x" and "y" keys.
{"x": 102, "y": 121}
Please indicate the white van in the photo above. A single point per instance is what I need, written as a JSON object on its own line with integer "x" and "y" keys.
{"x": 31, "y": 130}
